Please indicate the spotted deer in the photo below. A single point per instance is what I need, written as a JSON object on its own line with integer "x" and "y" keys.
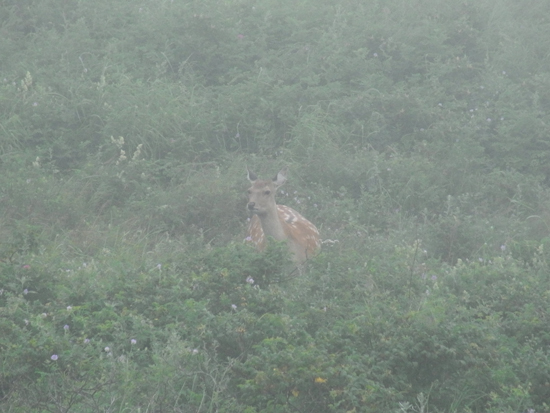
{"x": 279, "y": 221}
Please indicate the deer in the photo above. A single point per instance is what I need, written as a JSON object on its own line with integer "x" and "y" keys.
{"x": 279, "y": 221}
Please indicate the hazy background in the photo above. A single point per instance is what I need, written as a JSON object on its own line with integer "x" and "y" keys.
{"x": 417, "y": 139}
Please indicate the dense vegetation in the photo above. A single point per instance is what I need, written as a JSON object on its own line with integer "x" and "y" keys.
{"x": 417, "y": 135}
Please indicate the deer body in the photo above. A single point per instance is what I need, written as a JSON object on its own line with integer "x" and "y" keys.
{"x": 279, "y": 221}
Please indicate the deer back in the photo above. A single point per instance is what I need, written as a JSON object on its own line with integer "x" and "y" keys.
{"x": 301, "y": 235}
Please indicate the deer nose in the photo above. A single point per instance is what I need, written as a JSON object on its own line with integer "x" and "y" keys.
{"x": 251, "y": 205}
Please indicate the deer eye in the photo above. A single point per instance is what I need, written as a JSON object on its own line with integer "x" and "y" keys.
{"x": 267, "y": 192}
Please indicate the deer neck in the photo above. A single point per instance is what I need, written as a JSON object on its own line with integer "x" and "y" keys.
{"x": 271, "y": 224}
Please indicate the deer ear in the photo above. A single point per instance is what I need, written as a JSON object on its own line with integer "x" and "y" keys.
{"x": 281, "y": 177}
{"x": 251, "y": 175}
